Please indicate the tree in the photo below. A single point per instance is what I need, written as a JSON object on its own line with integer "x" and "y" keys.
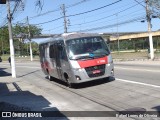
{"x": 35, "y": 48}
{"x": 21, "y": 33}
{"x": 4, "y": 40}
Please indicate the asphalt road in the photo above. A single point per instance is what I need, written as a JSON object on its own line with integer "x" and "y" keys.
{"x": 135, "y": 87}
{"x": 143, "y": 73}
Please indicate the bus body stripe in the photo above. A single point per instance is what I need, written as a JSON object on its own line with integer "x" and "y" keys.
{"x": 93, "y": 62}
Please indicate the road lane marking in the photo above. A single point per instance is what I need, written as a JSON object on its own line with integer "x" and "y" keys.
{"x": 27, "y": 67}
{"x": 138, "y": 69}
{"x": 140, "y": 83}
{"x": 21, "y": 66}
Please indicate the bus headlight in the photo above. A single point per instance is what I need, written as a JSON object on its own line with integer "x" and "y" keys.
{"x": 77, "y": 77}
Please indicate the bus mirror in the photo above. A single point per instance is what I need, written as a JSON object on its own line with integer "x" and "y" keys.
{"x": 108, "y": 41}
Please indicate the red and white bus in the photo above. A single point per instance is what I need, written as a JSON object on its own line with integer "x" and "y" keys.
{"x": 76, "y": 58}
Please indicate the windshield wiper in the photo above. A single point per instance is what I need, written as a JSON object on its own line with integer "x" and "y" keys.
{"x": 100, "y": 55}
{"x": 84, "y": 57}
{"x": 90, "y": 57}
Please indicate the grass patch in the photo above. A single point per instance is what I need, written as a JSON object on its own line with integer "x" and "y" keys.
{"x": 27, "y": 58}
{"x": 5, "y": 57}
{"x": 130, "y": 55}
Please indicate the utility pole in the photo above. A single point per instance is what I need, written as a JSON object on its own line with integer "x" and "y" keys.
{"x": 117, "y": 32}
{"x": 64, "y": 16}
{"x": 148, "y": 15}
{"x": 11, "y": 40}
{"x": 29, "y": 37}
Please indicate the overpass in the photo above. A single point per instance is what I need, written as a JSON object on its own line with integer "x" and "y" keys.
{"x": 112, "y": 36}
{"x": 44, "y": 36}
{"x": 128, "y": 36}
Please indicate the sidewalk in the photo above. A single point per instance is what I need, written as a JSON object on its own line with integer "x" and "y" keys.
{"x": 19, "y": 95}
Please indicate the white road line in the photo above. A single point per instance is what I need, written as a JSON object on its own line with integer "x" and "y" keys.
{"x": 138, "y": 69}
{"x": 28, "y": 67}
{"x": 21, "y": 66}
{"x": 140, "y": 83}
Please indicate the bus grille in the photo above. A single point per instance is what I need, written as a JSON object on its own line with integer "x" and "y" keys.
{"x": 90, "y": 70}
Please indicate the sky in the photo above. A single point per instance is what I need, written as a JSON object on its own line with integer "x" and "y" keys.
{"x": 84, "y": 16}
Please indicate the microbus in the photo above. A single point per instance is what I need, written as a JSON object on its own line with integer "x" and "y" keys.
{"x": 76, "y": 58}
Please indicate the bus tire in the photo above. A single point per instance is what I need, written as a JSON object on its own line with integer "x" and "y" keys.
{"x": 67, "y": 81}
{"x": 49, "y": 77}
{"x": 69, "y": 84}
{"x": 106, "y": 78}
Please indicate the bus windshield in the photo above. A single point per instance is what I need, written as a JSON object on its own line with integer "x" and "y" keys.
{"x": 87, "y": 48}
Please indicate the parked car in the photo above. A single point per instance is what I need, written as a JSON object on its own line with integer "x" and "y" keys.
{"x": 0, "y": 59}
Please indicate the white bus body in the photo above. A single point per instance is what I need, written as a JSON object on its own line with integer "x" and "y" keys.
{"x": 76, "y": 58}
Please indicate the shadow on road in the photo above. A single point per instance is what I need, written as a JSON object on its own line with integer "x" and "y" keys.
{"x": 18, "y": 100}
{"x": 85, "y": 84}
{"x": 28, "y": 73}
{"x": 3, "y": 73}
{"x": 157, "y": 108}
{"x": 94, "y": 83}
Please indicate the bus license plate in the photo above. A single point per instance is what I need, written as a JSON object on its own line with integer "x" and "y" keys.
{"x": 96, "y": 71}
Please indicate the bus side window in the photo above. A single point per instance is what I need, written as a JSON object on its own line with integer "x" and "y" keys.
{"x": 42, "y": 52}
{"x": 63, "y": 54}
{"x": 51, "y": 51}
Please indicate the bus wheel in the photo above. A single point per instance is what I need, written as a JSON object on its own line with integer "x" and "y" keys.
{"x": 50, "y": 78}
{"x": 68, "y": 83}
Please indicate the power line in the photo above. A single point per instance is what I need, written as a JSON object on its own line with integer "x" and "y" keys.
{"x": 80, "y": 13}
{"x": 94, "y": 9}
{"x": 75, "y": 4}
{"x": 112, "y": 20}
{"x": 100, "y": 18}
{"x": 5, "y": 19}
{"x": 15, "y": 7}
{"x": 54, "y": 28}
{"x": 49, "y": 21}
{"x": 58, "y": 9}
{"x": 113, "y": 25}
{"x": 96, "y": 23}
{"x": 104, "y": 12}
{"x": 139, "y": 3}
{"x": 108, "y": 15}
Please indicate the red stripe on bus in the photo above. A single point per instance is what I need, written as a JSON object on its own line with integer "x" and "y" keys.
{"x": 45, "y": 65}
{"x": 93, "y": 62}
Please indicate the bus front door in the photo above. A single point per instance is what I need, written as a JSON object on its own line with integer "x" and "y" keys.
{"x": 58, "y": 61}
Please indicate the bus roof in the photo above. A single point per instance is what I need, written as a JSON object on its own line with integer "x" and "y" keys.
{"x": 67, "y": 36}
